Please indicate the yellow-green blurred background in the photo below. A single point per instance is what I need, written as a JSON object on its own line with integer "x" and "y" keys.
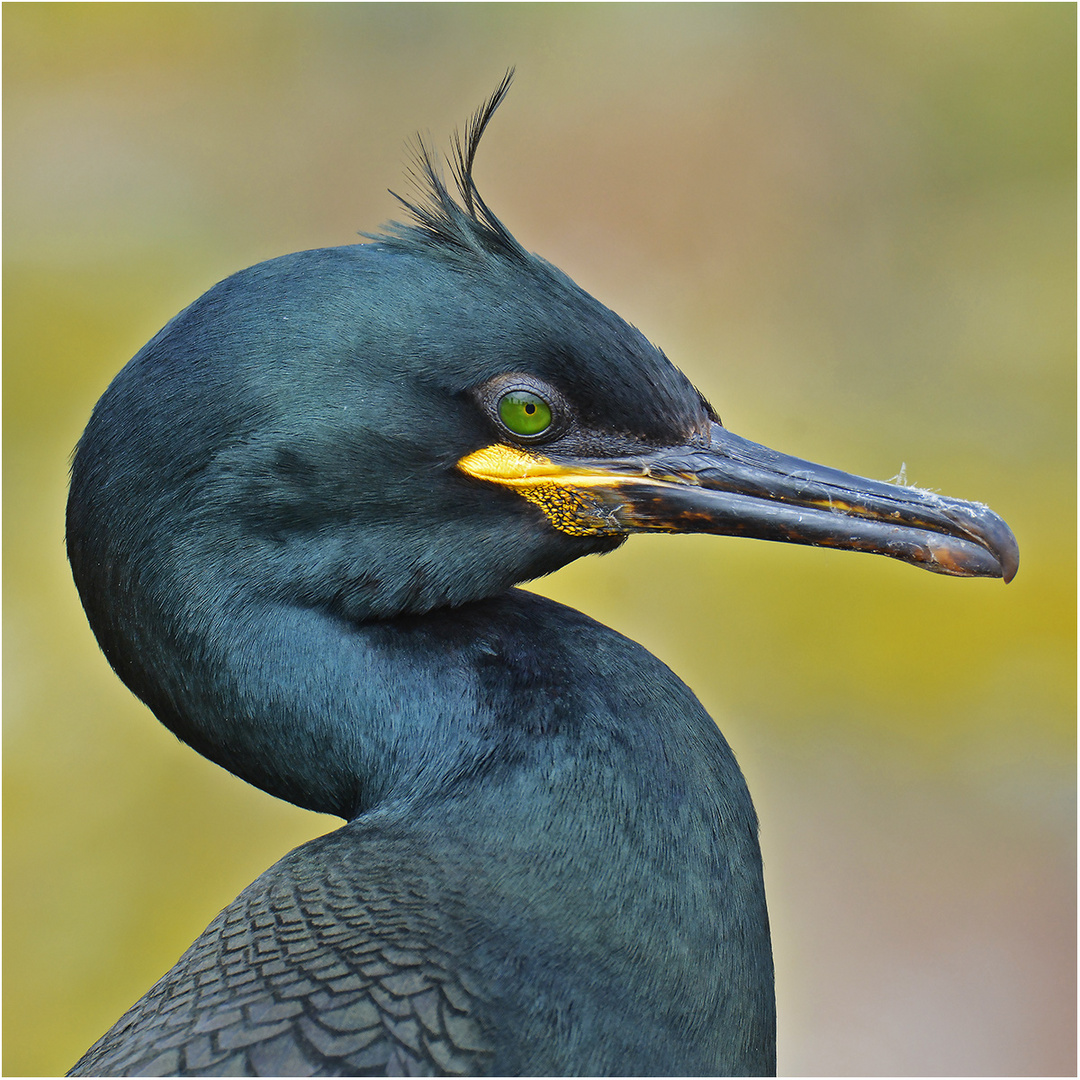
{"x": 852, "y": 225}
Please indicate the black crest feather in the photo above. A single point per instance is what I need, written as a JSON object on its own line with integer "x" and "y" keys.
{"x": 437, "y": 216}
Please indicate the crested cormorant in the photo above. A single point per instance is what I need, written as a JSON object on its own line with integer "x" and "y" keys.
{"x": 296, "y": 520}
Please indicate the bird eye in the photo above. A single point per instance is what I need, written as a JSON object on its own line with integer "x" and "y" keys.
{"x": 524, "y": 413}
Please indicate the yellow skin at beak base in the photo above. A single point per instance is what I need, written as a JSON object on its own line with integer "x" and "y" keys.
{"x": 560, "y": 492}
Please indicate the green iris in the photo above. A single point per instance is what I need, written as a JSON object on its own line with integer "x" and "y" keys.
{"x": 524, "y": 413}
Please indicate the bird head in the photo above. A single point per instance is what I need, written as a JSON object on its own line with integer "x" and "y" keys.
{"x": 415, "y": 423}
{"x": 429, "y": 418}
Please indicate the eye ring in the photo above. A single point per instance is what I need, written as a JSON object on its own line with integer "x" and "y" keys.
{"x": 524, "y": 408}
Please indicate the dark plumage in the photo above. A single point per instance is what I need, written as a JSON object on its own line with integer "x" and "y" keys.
{"x": 295, "y": 521}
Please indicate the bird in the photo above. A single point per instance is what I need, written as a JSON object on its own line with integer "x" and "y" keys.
{"x": 298, "y": 519}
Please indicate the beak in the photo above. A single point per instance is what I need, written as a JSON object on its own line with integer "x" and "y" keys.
{"x": 720, "y": 483}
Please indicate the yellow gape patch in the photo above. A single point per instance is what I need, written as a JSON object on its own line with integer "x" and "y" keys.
{"x": 561, "y": 492}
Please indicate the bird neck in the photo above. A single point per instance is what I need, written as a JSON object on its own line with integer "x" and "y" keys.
{"x": 311, "y": 708}
{"x": 523, "y": 745}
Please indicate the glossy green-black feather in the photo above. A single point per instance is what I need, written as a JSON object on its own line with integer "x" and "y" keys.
{"x": 573, "y": 887}
{"x": 550, "y": 863}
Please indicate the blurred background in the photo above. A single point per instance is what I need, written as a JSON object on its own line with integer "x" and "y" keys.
{"x": 852, "y": 225}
